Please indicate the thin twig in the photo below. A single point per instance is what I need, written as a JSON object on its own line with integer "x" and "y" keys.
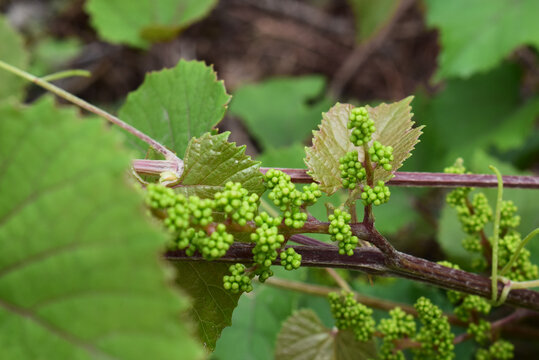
{"x": 338, "y": 279}
{"x": 363, "y": 51}
{"x": 373, "y": 302}
{"x": 169, "y": 155}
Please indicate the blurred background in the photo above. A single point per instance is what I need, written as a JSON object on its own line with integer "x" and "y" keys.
{"x": 471, "y": 65}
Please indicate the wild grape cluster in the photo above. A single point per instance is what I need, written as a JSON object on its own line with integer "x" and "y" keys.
{"x": 361, "y": 125}
{"x": 500, "y": 350}
{"x": 290, "y": 259}
{"x": 349, "y": 314}
{"x": 237, "y": 281}
{"x": 435, "y": 333}
{"x": 290, "y": 200}
{"x": 383, "y": 155}
{"x": 399, "y": 326}
{"x": 268, "y": 241}
{"x": 522, "y": 269}
{"x": 340, "y": 231}
{"x": 236, "y": 203}
{"x": 375, "y": 195}
{"x": 352, "y": 171}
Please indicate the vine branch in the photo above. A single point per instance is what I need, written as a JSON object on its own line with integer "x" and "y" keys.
{"x": 372, "y": 261}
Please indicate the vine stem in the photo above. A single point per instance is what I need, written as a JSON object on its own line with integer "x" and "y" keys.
{"x": 521, "y": 246}
{"x": 169, "y": 155}
{"x": 425, "y": 179}
{"x": 338, "y": 279}
{"x": 494, "y": 277}
{"x": 373, "y": 261}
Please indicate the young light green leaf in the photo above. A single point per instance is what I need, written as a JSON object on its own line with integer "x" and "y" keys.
{"x": 211, "y": 161}
{"x": 212, "y": 304}
{"x": 139, "y": 23}
{"x": 278, "y": 111}
{"x": 394, "y": 127}
{"x": 471, "y": 43}
{"x": 330, "y": 143}
{"x": 174, "y": 105}
{"x": 80, "y": 275}
{"x": 11, "y": 51}
{"x": 303, "y": 336}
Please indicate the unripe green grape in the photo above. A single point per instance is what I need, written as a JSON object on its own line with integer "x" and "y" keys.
{"x": 340, "y": 231}
{"x": 500, "y": 350}
{"x": 159, "y": 196}
{"x": 237, "y": 203}
{"x": 267, "y": 240}
{"x": 480, "y": 331}
{"x": 472, "y": 243}
{"x": 264, "y": 273}
{"x": 237, "y": 281}
{"x": 383, "y": 155}
{"x": 472, "y": 304}
{"x": 435, "y": 334}
{"x": 399, "y": 325}
{"x": 311, "y": 193}
{"x": 459, "y": 195}
{"x": 290, "y": 259}
{"x": 216, "y": 245}
{"x": 508, "y": 219}
{"x": 295, "y": 218}
{"x": 473, "y": 218}
{"x": 352, "y": 171}
{"x": 362, "y": 126}
{"x": 523, "y": 269}
{"x": 376, "y": 195}
{"x": 349, "y": 314}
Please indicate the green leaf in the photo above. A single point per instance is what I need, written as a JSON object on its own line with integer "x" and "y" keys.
{"x": 303, "y": 336}
{"x": 476, "y": 36}
{"x": 278, "y": 111}
{"x": 12, "y": 52}
{"x": 468, "y": 115}
{"x": 211, "y": 161}
{"x": 174, "y": 105}
{"x": 394, "y": 127}
{"x": 138, "y": 23}
{"x": 330, "y": 143}
{"x": 80, "y": 275}
{"x": 287, "y": 157}
{"x": 212, "y": 304}
{"x": 257, "y": 320}
{"x": 371, "y": 16}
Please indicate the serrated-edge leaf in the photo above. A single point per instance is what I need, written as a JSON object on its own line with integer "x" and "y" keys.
{"x": 211, "y": 161}
{"x": 212, "y": 305}
{"x": 174, "y": 105}
{"x": 330, "y": 143}
{"x": 126, "y": 22}
{"x": 12, "y": 51}
{"x": 303, "y": 336}
{"x": 394, "y": 127}
{"x": 80, "y": 273}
